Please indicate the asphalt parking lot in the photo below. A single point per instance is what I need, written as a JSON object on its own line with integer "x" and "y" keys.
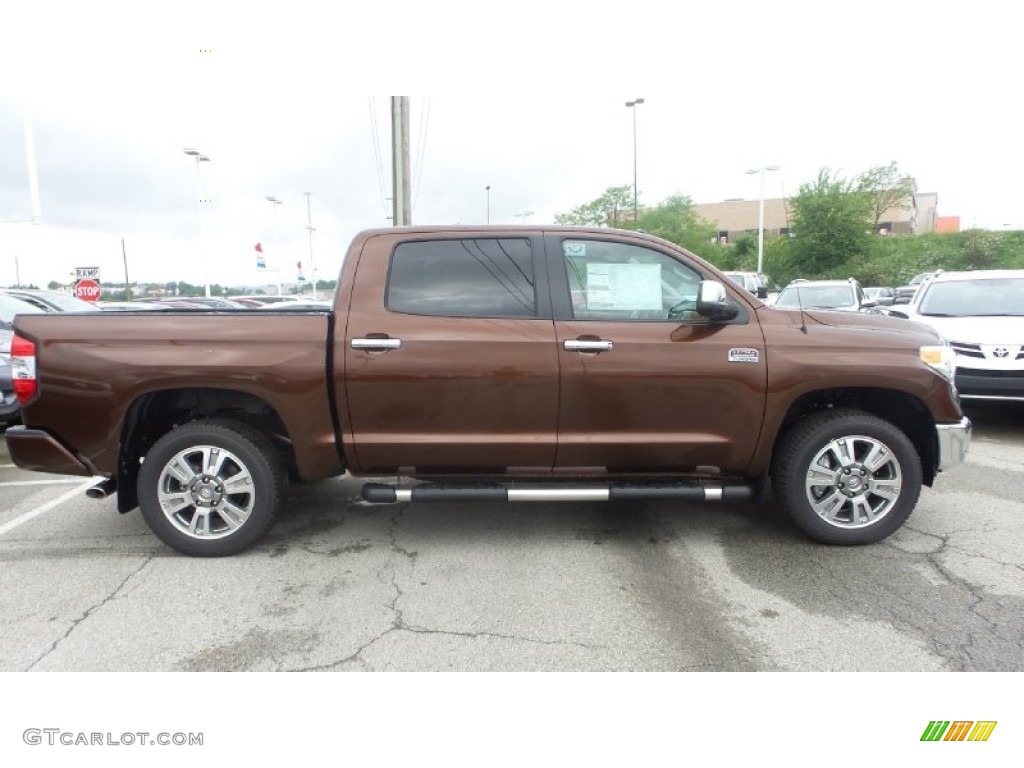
{"x": 340, "y": 585}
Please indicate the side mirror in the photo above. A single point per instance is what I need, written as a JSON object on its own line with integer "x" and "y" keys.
{"x": 897, "y": 313}
{"x": 713, "y": 302}
{"x": 761, "y": 292}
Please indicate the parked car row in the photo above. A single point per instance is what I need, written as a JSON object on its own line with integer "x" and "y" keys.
{"x": 201, "y": 302}
{"x": 979, "y": 313}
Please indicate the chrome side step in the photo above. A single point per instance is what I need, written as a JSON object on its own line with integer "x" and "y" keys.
{"x": 378, "y": 493}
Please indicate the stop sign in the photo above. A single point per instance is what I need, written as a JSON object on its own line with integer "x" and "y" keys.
{"x": 88, "y": 290}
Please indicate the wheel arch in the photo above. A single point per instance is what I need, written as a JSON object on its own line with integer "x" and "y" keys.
{"x": 154, "y": 414}
{"x": 903, "y": 410}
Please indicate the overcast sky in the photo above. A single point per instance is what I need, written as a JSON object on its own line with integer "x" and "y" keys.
{"x": 528, "y": 98}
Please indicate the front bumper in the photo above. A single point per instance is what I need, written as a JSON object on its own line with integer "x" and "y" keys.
{"x": 954, "y": 442}
{"x": 989, "y": 384}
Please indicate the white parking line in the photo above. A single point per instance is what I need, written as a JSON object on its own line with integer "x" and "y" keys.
{"x": 7, "y": 527}
{"x": 39, "y": 482}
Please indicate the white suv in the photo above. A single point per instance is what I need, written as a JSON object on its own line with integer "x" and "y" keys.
{"x": 981, "y": 314}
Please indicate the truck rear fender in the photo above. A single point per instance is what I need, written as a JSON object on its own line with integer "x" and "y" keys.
{"x": 156, "y": 413}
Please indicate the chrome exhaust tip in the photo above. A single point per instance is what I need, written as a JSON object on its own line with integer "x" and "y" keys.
{"x": 102, "y": 489}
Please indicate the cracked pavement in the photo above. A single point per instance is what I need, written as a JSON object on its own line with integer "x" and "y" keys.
{"x": 339, "y": 585}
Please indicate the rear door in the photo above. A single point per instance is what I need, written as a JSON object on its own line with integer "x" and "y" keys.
{"x": 450, "y": 356}
{"x": 646, "y": 383}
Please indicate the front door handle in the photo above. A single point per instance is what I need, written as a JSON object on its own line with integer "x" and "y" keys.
{"x": 376, "y": 344}
{"x": 577, "y": 345}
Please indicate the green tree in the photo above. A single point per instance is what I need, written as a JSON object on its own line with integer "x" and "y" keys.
{"x": 887, "y": 188}
{"x": 830, "y": 221}
{"x": 675, "y": 220}
{"x": 607, "y": 210}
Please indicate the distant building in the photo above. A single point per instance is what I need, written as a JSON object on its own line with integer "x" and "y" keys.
{"x": 947, "y": 224}
{"x": 732, "y": 218}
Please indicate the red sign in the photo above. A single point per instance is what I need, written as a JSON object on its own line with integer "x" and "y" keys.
{"x": 88, "y": 290}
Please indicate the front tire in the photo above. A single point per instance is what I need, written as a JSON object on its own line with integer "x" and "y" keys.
{"x": 847, "y": 477}
{"x": 211, "y": 488}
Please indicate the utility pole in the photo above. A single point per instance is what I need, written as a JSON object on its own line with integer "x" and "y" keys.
{"x": 402, "y": 214}
{"x": 127, "y": 285}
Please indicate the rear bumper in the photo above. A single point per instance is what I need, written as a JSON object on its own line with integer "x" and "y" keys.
{"x": 954, "y": 442}
{"x": 37, "y": 450}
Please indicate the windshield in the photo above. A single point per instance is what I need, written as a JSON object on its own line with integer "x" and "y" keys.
{"x": 738, "y": 278}
{"x": 817, "y": 296}
{"x": 61, "y": 301}
{"x": 9, "y": 307}
{"x": 974, "y": 298}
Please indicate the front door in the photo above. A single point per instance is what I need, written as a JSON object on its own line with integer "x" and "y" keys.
{"x": 647, "y": 384}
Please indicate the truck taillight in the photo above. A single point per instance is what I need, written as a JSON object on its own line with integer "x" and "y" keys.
{"x": 23, "y": 368}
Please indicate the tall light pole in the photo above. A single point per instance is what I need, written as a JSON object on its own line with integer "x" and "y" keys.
{"x": 201, "y": 158}
{"x": 760, "y": 214}
{"x": 488, "y": 188}
{"x": 274, "y": 202}
{"x": 309, "y": 226}
{"x": 632, "y": 105}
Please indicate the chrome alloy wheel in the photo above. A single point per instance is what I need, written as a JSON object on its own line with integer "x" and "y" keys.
{"x": 206, "y": 492}
{"x": 853, "y": 482}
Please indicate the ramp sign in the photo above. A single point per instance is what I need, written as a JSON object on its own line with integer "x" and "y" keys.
{"x": 87, "y": 283}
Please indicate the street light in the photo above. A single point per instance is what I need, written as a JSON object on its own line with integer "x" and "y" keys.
{"x": 201, "y": 158}
{"x": 524, "y": 215}
{"x": 632, "y": 105}
{"x": 488, "y": 188}
{"x": 274, "y": 202}
{"x": 309, "y": 226}
{"x": 760, "y": 215}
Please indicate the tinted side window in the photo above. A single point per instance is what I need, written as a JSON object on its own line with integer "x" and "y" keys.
{"x": 472, "y": 277}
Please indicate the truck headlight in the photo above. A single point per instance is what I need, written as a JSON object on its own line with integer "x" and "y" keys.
{"x": 941, "y": 359}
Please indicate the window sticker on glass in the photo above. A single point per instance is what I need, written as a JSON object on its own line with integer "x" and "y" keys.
{"x": 574, "y": 249}
{"x": 624, "y": 286}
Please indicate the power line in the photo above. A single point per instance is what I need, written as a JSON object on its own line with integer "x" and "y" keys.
{"x": 424, "y": 122}
{"x": 375, "y": 138}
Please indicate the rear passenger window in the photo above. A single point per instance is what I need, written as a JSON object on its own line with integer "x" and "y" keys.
{"x": 473, "y": 277}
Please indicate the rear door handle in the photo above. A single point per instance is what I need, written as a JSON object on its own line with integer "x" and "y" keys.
{"x": 575, "y": 345}
{"x": 371, "y": 343}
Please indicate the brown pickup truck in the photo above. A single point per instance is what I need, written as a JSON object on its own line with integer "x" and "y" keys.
{"x": 494, "y": 363}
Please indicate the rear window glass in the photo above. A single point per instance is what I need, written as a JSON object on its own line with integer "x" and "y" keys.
{"x": 471, "y": 277}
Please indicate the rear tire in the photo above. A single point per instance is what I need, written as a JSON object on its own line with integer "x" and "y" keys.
{"x": 847, "y": 477}
{"x": 211, "y": 488}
